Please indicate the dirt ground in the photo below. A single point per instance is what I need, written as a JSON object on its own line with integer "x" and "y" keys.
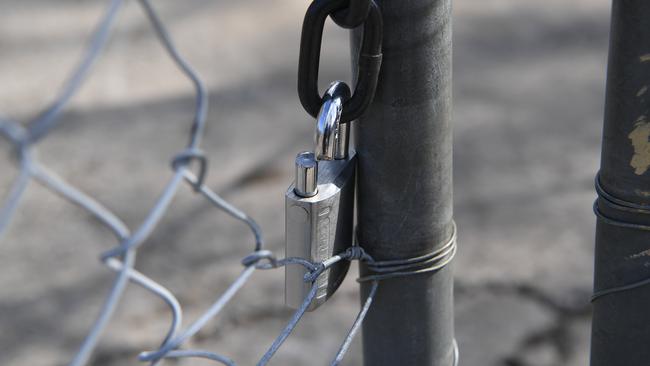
{"x": 528, "y": 103}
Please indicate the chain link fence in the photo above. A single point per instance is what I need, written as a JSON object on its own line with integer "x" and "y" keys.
{"x": 24, "y": 138}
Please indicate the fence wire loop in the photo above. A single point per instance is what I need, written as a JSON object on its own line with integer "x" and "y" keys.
{"x": 255, "y": 257}
{"x": 350, "y": 254}
{"x": 315, "y": 270}
{"x": 185, "y": 158}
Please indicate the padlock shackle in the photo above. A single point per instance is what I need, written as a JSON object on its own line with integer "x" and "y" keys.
{"x": 342, "y": 148}
{"x": 328, "y": 121}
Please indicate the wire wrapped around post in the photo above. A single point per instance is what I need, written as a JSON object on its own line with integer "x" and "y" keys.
{"x": 620, "y": 334}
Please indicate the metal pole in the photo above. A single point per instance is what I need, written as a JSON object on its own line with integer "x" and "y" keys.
{"x": 404, "y": 146}
{"x": 621, "y": 320}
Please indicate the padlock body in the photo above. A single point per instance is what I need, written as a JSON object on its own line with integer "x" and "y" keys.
{"x": 318, "y": 228}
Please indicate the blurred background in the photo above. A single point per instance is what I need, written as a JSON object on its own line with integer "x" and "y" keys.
{"x": 529, "y": 79}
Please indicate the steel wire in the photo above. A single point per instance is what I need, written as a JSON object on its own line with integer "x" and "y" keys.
{"x": 122, "y": 257}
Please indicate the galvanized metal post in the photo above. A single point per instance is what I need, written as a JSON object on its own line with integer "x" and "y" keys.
{"x": 621, "y": 319}
{"x": 404, "y": 146}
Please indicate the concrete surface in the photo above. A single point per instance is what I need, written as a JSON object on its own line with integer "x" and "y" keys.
{"x": 529, "y": 91}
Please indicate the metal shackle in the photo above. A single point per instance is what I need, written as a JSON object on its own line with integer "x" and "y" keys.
{"x": 331, "y": 140}
{"x": 331, "y": 137}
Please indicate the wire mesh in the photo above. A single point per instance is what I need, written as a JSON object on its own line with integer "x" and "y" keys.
{"x": 24, "y": 139}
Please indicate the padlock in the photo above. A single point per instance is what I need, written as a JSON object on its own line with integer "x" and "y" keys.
{"x": 319, "y": 205}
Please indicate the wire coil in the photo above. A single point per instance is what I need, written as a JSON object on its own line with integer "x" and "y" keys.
{"x": 431, "y": 262}
{"x": 612, "y": 203}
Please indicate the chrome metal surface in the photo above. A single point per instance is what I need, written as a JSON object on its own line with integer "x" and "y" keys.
{"x": 342, "y": 141}
{"x": 306, "y": 175}
{"x": 318, "y": 227}
{"x": 319, "y": 206}
{"x": 326, "y": 128}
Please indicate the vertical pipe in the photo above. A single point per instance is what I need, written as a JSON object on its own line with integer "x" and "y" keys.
{"x": 404, "y": 146}
{"x": 621, "y": 316}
